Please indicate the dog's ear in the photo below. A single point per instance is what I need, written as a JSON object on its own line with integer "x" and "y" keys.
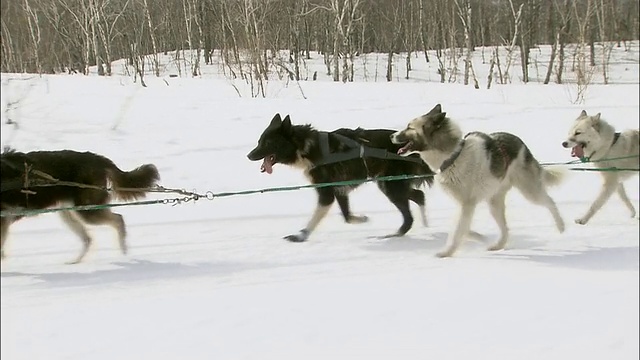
{"x": 435, "y": 123}
{"x": 595, "y": 121}
{"x": 438, "y": 119}
{"x": 276, "y": 122}
{"x": 286, "y": 124}
{"x": 583, "y": 113}
{"x": 436, "y": 110}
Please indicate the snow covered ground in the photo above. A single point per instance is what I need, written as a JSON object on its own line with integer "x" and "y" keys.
{"x": 215, "y": 280}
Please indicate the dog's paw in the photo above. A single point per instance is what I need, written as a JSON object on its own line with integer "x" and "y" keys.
{"x": 389, "y": 236}
{"x": 358, "y": 219}
{"x": 302, "y": 236}
{"x": 445, "y": 253}
{"x": 497, "y": 247}
{"x": 581, "y": 221}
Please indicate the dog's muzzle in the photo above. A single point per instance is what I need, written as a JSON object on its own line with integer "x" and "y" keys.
{"x": 254, "y": 155}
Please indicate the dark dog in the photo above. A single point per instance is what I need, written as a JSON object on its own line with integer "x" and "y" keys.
{"x": 27, "y": 179}
{"x": 343, "y": 155}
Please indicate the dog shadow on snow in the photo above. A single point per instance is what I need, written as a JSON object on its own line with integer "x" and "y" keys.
{"x": 435, "y": 241}
{"x": 590, "y": 258}
{"x": 520, "y": 248}
{"x": 131, "y": 271}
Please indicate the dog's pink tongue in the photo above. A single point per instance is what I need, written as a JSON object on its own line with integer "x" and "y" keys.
{"x": 577, "y": 151}
{"x": 404, "y": 149}
{"x": 267, "y": 165}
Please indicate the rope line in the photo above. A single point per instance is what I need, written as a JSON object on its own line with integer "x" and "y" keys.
{"x": 192, "y": 196}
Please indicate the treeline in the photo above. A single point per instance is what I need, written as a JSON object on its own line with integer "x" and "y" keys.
{"x": 52, "y": 36}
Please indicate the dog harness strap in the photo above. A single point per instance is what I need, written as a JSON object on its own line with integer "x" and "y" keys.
{"x": 616, "y": 136}
{"x": 328, "y": 157}
{"x": 447, "y": 163}
{"x": 357, "y": 151}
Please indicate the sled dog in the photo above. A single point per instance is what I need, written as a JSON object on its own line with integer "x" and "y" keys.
{"x": 477, "y": 167}
{"x": 343, "y": 155}
{"x": 592, "y": 138}
{"x": 29, "y": 183}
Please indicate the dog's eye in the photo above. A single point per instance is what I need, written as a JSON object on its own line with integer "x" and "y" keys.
{"x": 578, "y": 133}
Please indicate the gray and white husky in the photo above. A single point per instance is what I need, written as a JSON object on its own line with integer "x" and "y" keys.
{"x": 592, "y": 138}
{"x": 478, "y": 167}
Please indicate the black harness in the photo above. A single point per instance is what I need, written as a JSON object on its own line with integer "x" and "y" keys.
{"x": 356, "y": 150}
{"x": 456, "y": 152}
{"x": 616, "y": 136}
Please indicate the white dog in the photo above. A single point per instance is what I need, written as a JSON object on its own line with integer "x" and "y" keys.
{"x": 591, "y": 138}
{"x": 478, "y": 167}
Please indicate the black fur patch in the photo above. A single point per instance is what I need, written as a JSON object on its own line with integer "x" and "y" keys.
{"x": 502, "y": 149}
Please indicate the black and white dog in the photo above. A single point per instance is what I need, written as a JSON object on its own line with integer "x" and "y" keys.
{"x": 343, "y": 155}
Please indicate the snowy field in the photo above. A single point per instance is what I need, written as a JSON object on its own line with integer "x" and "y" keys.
{"x": 215, "y": 280}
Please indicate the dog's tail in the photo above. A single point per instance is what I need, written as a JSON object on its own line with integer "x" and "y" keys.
{"x": 134, "y": 184}
{"x": 425, "y": 170}
{"x": 553, "y": 176}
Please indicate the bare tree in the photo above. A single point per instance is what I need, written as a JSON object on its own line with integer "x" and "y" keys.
{"x": 465, "y": 18}
{"x": 34, "y": 31}
{"x": 583, "y": 73}
{"x": 152, "y": 36}
{"x": 517, "y": 15}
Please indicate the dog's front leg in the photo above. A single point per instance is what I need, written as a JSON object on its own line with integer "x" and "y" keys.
{"x": 325, "y": 199}
{"x": 462, "y": 229}
{"x": 608, "y": 188}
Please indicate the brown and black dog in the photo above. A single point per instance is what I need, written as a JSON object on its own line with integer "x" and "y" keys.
{"x": 31, "y": 181}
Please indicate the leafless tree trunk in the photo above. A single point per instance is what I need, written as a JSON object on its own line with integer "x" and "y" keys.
{"x": 34, "y": 31}
{"x": 492, "y": 64}
{"x": 511, "y": 45}
{"x": 465, "y": 18}
{"x": 423, "y": 31}
{"x": 606, "y": 47}
{"x": 583, "y": 74}
{"x": 156, "y": 61}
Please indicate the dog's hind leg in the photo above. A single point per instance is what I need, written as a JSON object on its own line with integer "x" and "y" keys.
{"x": 79, "y": 229}
{"x": 462, "y": 229}
{"x": 398, "y": 193}
{"x": 106, "y": 217}
{"x": 535, "y": 191}
{"x": 497, "y": 208}
{"x": 625, "y": 199}
{"x": 4, "y": 231}
{"x": 326, "y": 197}
{"x": 343, "y": 202}
{"x": 417, "y": 196}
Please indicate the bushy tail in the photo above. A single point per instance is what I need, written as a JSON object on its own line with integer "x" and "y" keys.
{"x": 423, "y": 169}
{"x": 553, "y": 176}
{"x": 131, "y": 185}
